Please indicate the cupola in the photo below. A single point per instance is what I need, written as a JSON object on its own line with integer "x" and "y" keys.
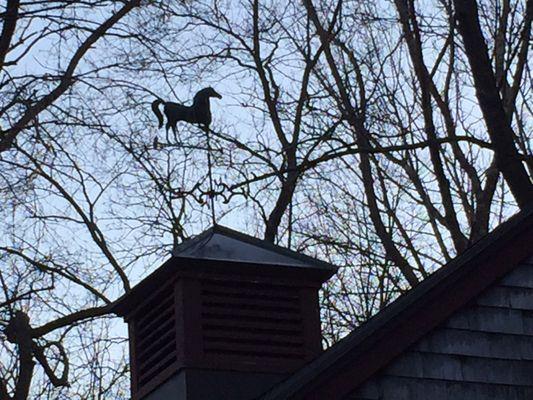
{"x": 226, "y": 317}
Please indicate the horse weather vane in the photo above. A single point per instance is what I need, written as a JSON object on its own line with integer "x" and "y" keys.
{"x": 198, "y": 113}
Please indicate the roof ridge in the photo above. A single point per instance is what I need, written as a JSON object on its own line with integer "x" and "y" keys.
{"x": 189, "y": 242}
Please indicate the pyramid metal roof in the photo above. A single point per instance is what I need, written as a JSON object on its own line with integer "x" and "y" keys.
{"x": 224, "y": 244}
{"x": 219, "y": 248}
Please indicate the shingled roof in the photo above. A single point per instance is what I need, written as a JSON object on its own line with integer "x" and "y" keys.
{"x": 369, "y": 348}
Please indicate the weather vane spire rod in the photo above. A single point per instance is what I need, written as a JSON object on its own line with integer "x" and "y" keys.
{"x": 210, "y": 176}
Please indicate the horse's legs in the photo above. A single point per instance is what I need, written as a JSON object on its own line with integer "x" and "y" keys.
{"x": 175, "y": 131}
{"x": 167, "y": 127}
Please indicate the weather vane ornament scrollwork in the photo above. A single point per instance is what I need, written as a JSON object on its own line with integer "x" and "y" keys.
{"x": 198, "y": 113}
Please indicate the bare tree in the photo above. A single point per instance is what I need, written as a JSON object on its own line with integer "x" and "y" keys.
{"x": 25, "y": 88}
{"x": 354, "y": 131}
{"x": 497, "y": 112}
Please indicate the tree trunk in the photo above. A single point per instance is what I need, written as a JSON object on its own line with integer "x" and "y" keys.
{"x": 499, "y": 129}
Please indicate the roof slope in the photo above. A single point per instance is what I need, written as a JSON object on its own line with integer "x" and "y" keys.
{"x": 369, "y": 348}
{"x": 224, "y": 244}
{"x": 483, "y": 351}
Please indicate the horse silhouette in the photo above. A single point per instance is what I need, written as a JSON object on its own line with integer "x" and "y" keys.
{"x": 198, "y": 113}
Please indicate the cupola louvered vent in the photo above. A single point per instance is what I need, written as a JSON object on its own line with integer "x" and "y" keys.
{"x": 251, "y": 321}
{"x": 155, "y": 333}
{"x": 226, "y": 317}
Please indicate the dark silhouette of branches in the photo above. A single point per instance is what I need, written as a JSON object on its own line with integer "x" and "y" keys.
{"x": 490, "y": 102}
{"x": 384, "y": 139}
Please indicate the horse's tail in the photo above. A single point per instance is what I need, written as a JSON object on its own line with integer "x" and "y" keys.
{"x": 155, "y": 109}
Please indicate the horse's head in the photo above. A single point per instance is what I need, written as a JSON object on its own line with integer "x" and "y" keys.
{"x": 207, "y": 93}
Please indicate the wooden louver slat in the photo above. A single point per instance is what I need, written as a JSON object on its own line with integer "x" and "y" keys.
{"x": 155, "y": 331}
{"x": 251, "y": 321}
